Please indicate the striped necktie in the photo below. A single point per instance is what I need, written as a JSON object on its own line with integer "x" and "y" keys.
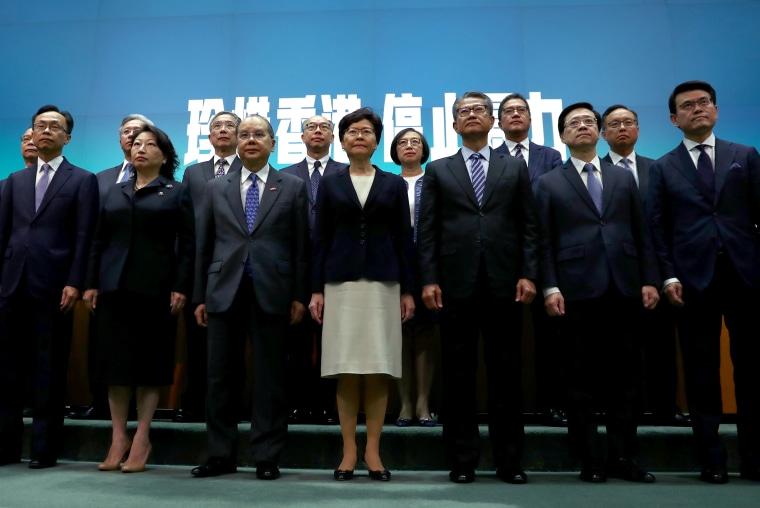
{"x": 594, "y": 187}
{"x": 478, "y": 177}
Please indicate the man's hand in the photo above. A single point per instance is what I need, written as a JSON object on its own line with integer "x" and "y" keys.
{"x": 69, "y": 298}
{"x": 200, "y": 315}
{"x": 674, "y": 293}
{"x": 432, "y": 297}
{"x": 555, "y": 304}
{"x": 177, "y": 302}
{"x": 297, "y": 310}
{"x": 526, "y": 291}
{"x": 407, "y": 307}
{"x": 91, "y": 300}
{"x": 316, "y": 306}
{"x": 649, "y": 297}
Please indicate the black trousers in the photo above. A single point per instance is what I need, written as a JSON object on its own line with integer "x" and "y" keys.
{"x": 307, "y": 389}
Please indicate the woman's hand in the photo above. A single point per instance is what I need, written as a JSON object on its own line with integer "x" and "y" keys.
{"x": 407, "y": 307}
{"x": 177, "y": 303}
{"x": 91, "y": 299}
{"x": 316, "y": 306}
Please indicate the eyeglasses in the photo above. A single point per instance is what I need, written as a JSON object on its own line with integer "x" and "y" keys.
{"x": 521, "y": 110}
{"x": 52, "y": 126}
{"x": 313, "y": 126}
{"x": 415, "y": 142}
{"x": 129, "y": 132}
{"x": 627, "y": 123}
{"x": 478, "y": 109}
{"x": 26, "y": 139}
{"x": 703, "y": 103}
{"x": 217, "y": 126}
{"x": 259, "y": 135}
{"x": 588, "y": 121}
{"x": 366, "y": 133}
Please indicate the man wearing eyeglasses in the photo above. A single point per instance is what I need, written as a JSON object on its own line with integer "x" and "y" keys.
{"x": 222, "y": 135}
{"x": 311, "y": 397}
{"x": 515, "y": 121}
{"x": 620, "y": 128}
{"x": 28, "y": 150}
{"x": 478, "y": 257}
{"x": 705, "y": 207}
{"x": 599, "y": 269}
{"x": 47, "y": 216}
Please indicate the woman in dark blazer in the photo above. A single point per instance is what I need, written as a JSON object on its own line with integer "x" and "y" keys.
{"x": 138, "y": 277}
{"x": 363, "y": 279}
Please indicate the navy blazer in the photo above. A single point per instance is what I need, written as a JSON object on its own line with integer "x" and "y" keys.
{"x": 198, "y": 175}
{"x": 106, "y": 180}
{"x": 144, "y": 242}
{"x": 454, "y": 233}
{"x": 301, "y": 170}
{"x": 541, "y": 160}
{"x": 50, "y": 245}
{"x": 584, "y": 252}
{"x": 686, "y": 225}
{"x": 374, "y": 242}
{"x": 643, "y": 165}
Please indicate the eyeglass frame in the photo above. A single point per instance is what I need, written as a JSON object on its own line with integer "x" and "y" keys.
{"x": 576, "y": 122}
{"x": 465, "y": 111}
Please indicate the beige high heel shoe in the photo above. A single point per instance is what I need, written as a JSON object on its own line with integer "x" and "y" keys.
{"x": 137, "y": 468}
{"x": 115, "y": 466}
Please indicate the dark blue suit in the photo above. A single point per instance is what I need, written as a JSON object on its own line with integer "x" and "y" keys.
{"x": 599, "y": 262}
{"x": 307, "y": 390}
{"x": 43, "y": 252}
{"x": 713, "y": 248}
{"x": 541, "y": 160}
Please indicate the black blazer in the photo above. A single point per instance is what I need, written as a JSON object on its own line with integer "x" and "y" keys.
{"x": 144, "y": 243}
{"x": 301, "y": 170}
{"x": 642, "y": 171}
{"x": 374, "y": 242}
{"x": 542, "y": 160}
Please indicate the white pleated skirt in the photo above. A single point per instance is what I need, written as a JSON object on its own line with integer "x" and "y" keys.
{"x": 361, "y": 332}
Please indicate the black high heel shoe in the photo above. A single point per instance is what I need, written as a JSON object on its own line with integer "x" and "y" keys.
{"x": 381, "y": 476}
{"x": 343, "y": 475}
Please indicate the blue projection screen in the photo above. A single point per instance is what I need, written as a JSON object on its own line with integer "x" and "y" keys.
{"x": 178, "y": 62}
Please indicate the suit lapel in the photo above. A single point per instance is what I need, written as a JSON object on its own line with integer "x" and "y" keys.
{"x": 608, "y": 183}
{"x": 460, "y": 173}
{"x": 57, "y": 181}
{"x": 208, "y": 169}
{"x": 344, "y": 183}
{"x": 272, "y": 191}
{"x": 377, "y": 184}
{"x": 535, "y": 160}
{"x": 577, "y": 183}
{"x": 642, "y": 170}
{"x": 232, "y": 193}
{"x": 496, "y": 166}
{"x": 724, "y": 156}
{"x": 685, "y": 165}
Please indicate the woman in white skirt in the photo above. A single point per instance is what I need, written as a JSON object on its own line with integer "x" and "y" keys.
{"x": 363, "y": 278}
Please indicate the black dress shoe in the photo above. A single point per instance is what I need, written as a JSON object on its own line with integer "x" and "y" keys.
{"x": 593, "y": 473}
{"x": 750, "y": 474}
{"x": 714, "y": 474}
{"x": 627, "y": 469}
{"x": 555, "y": 418}
{"x": 512, "y": 475}
{"x": 42, "y": 463}
{"x": 380, "y": 476}
{"x": 299, "y": 417}
{"x": 90, "y": 413}
{"x": 188, "y": 416}
{"x": 325, "y": 417}
{"x": 214, "y": 467}
{"x": 462, "y": 475}
{"x": 343, "y": 475}
{"x": 267, "y": 471}
{"x": 681, "y": 420}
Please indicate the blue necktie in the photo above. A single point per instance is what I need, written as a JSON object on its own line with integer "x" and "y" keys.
{"x": 706, "y": 171}
{"x": 220, "y": 170}
{"x": 594, "y": 187}
{"x": 518, "y": 151}
{"x": 42, "y": 185}
{"x": 315, "y": 178}
{"x": 478, "y": 177}
{"x": 626, "y": 164}
{"x": 127, "y": 173}
{"x": 251, "y": 209}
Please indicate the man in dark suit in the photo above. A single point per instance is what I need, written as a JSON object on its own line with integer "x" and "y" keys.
{"x": 222, "y": 137}
{"x": 28, "y": 150}
{"x": 598, "y": 268}
{"x": 657, "y": 329}
{"x": 46, "y": 223}
{"x": 705, "y": 207}
{"x": 252, "y": 279}
{"x": 477, "y": 243}
{"x": 98, "y": 409}
{"x": 514, "y": 120}
{"x": 311, "y": 398}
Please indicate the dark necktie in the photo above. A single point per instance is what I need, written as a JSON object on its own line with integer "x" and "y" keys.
{"x": 594, "y": 187}
{"x": 625, "y": 163}
{"x": 42, "y": 185}
{"x": 220, "y": 169}
{"x": 127, "y": 173}
{"x": 251, "y": 209}
{"x": 417, "y": 195}
{"x": 478, "y": 177}
{"x": 315, "y": 178}
{"x": 705, "y": 171}
{"x": 518, "y": 151}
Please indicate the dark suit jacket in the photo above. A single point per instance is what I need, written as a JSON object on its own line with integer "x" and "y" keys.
{"x": 196, "y": 177}
{"x": 51, "y": 245}
{"x": 301, "y": 170}
{"x": 584, "y": 252}
{"x": 686, "y": 225}
{"x": 145, "y": 245}
{"x": 454, "y": 234}
{"x": 106, "y": 180}
{"x": 278, "y": 246}
{"x": 542, "y": 159}
{"x": 643, "y": 164}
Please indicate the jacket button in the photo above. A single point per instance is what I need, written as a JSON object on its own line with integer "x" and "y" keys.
{"x": 361, "y": 242}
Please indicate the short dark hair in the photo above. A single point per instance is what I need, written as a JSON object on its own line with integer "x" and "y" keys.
{"x": 509, "y": 98}
{"x": 357, "y": 116}
{"x": 254, "y": 115}
{"x": 167, "y": 148}
{"x": 66, "y": 116}
{"x": 613, "y": 108}
{"x": 425, "y": 146}
{"x": 572, "y": 107}
{"x": 688, "y": 86}
{"x": 136, "y": 116}
{"x": 472, "y": 95}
